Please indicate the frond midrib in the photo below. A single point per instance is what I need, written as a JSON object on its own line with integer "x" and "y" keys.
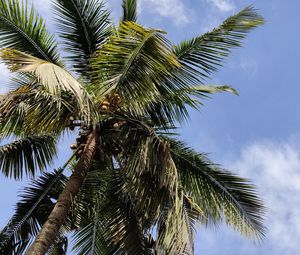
{"x": 135, "y": 55}
{"x": 82, "y": 19}
{"x": 30, "y": 40}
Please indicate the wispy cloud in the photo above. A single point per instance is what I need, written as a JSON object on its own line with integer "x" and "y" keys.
{"x": 176, "y": 10}
{"x": 275, "y": 169}
{"x": 223, "y": 5}
{"x": 173, "y": 9}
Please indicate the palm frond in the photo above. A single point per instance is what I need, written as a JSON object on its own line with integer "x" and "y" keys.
{"x": 173, "y": 108}
{"x": 31, "y": 109}
{"x": 129, "y": 10}
{"x": 13, "y": 112}
{"x": 90, "y": 240}
{"x": 27, "y": 155}
{"x": 31, "y": 212}
{"x": 54, "y": 78}
{"x": 50, "y": 113}
{"x": 153, "y": 182}
{"x": 84, "y": 25}
{"x": 202, "y": 55}
{"x": 106, "y": 227}
{"x": 132, "y": 63}
{"x": 218, "y": 192}
{"x": 91, "y": 194}
{"x": 22, "y": 29}
{"x": 124, "y": 229}
{"x": 175, "y": 234}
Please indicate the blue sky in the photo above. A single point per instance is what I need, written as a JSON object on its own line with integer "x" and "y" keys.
{"x": 256, "y": 134}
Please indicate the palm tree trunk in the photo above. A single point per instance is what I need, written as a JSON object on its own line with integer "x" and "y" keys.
{"x": 51, "y": 227}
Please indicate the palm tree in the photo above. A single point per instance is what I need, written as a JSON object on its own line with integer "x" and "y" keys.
{"x": 134, "y": 187}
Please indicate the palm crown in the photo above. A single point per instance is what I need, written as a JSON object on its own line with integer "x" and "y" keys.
{"x": 134, "y": 188}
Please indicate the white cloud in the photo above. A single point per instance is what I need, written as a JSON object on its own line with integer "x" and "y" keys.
{"x": 176, "y": 10}
{"x": 173, "y": 9}
{"x": 223, "y": 5}
{"x": 275, "y": 169}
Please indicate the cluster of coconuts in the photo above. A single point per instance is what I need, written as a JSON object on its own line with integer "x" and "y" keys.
{"x": 111, "y": 101}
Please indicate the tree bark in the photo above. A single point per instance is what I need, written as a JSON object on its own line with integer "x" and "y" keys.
{"x": 57, "y": 217}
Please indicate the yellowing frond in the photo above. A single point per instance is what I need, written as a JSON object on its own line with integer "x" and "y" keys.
{"x": 53, "y": 77}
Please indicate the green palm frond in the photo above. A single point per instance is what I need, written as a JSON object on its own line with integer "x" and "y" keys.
{"x": 129, "y": 10}
{"x": 91, "y": 193}
{"x": 49, "y": 113}
{"x": 31, "y": 212}
{"x": 33, "y": 109}
{"x": 172, "y": 108}
{"x": 202, "y": 55}
{"x": 133, "y": 62}
{"x": 27, "y": 155}
{"x": 22, "y": 29}
{"x": 185, "y": 215}
{"x": 53, "y": 77}
{"x": 84, "y": 25}
{"x": 153, "y": 182}
{"x": 175, "y": 230}
{"x": 89, "y": 236}
{"x": 218, "y": 192}
{"x": 90, "y": 239}
{"x": 124, "y": 229}
{"x": 107, "y": 227}
{"x": 13, "y": 112}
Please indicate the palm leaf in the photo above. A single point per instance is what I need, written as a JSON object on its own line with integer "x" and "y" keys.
{"x": 31, "y": 212}
{"x": 172, "y": 108}
{"x": 13, "y": 112}
{"x": 218, "y": 192}
{"x": 129, "y": 10}
{"x": 175, "y": 233}
{"x": 31, "y": 109}
{"x": 132, "y": 63}
{"x": 123, "y": 226}
{"x": 84, "y": 25}
{"x": 50, "y": 113}
{"x": 202, "y": 55}
{"x": 105, "y": 226}
{"x": 26, "y": 155}
{"x": 22, "y": 29}
{"x": 154, "y": 184}
{"x": 54, "y": 78}
{"x": 90, "y": 239}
